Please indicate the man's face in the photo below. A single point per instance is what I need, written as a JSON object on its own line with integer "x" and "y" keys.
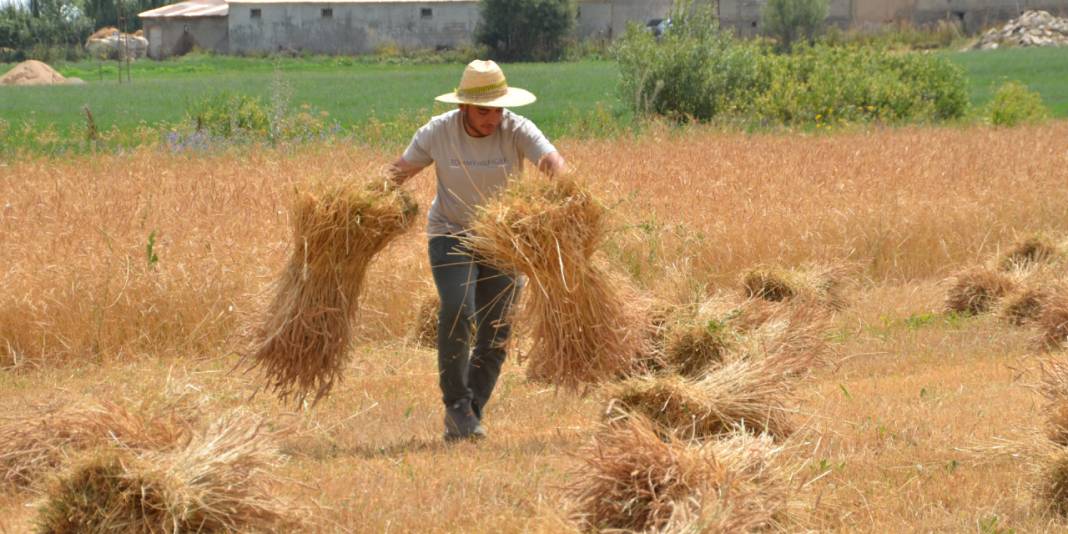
{"x": 481, "y": 121}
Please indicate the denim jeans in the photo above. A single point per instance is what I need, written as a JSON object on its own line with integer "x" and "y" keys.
{"x": 475, "y": 298}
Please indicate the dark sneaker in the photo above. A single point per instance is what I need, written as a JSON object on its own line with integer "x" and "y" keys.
{"x": 462, "y": 423}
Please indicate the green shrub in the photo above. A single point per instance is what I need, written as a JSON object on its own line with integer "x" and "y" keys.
{"x": 694, "y": 71}
{"x": 228, "y": 115}
{"x": 525, "y": 30}
{"x": 791, "y": 21}
{"x": 828, "y": 85}
{"x": 1014, "y": 103}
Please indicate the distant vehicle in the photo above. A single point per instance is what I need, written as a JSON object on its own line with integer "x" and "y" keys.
{"x": 658, "y": 27}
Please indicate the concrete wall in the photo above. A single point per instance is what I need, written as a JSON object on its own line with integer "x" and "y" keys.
{"x": 608, "y": 19}
{"x": 165, "y": 35}
{"x": 354, "y": 28}
{"x": 975, "y": 15}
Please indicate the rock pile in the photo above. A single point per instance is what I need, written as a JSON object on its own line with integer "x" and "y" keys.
{"x": 1033, "y": 28}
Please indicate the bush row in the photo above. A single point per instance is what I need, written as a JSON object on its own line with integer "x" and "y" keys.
{"x": 696, "y": 72}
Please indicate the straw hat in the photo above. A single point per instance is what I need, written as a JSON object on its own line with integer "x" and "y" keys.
{"x": 483, "y": 84}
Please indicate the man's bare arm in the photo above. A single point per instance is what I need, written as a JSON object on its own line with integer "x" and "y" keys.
{"x": 400, "y": 171}
{"x": 553, "y": 164}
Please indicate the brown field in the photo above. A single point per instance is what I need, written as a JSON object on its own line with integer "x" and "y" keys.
{"x": 900, "y": 433}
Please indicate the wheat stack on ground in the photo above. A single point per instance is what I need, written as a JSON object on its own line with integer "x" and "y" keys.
{"x": 218, "y": 482}
{"x": 38, "y": 439}
{"x": 694, "y": 347}
{"x": 303, "y": 345}
{"x": 977, "y": 290}
{"x": 815, "y": 283}
{"x": 634, "y": 479}
{"x": 753, "y": 394}
{"x": 1029, "y": 252}
{"x": 583, "y": 329}
{"x": 1024, "y": 306}
{"x": 1053, "y": 322}
{"x": 1054, "y": 388}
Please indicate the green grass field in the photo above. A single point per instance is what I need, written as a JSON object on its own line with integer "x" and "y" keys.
{"x": 1042, "y": 69}
{"x": 353, "y": 91}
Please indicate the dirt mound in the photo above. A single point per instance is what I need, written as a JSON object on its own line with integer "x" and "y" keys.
{"x": 32, "y": 72}
{"x": 1033, "y": 28}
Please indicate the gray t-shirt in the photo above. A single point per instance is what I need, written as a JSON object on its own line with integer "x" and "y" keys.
{"x": 471, "y": 170}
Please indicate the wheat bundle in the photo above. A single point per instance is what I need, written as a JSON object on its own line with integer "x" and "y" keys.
{"x": 815, "y": 283}
{"x": 424, "y": 331}
{"x": 302, "y": 346}
{"x": 1027, "y": 253}
{"x": 1054, "y": 387}
{"x": 1023, "y": 306}
{"x": 634, "y": 479}
{"x": 584, "y": 331}
{"x": 722, "y": 330}
{"x": 976, "y": 290}
{"x": 42, "y": 438}
{"x": 1052, "y": 487}
{"x": 749, "y": 393}
{"x": 1053, "y": 322}
{"x": 694, "y": 347}
{"x": 218, "y": 482}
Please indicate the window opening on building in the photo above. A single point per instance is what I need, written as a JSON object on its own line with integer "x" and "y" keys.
{"x": 426, "y": 13}
{"x": 328, "y": 12}
{"x": 255, "y": 13}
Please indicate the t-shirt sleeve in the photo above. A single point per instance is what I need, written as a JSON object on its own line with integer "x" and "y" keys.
{"x": 418, "y": 151}
{"x": 532, "y": 143}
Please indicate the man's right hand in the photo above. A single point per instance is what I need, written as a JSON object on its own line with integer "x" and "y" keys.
{"x": 400, "y": 171}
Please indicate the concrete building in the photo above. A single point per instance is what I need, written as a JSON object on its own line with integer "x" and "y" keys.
{"x": 607, "y": 19}
{"x": 176, "y": 29}
{"x": 352, "y": 26}
{"x": 743, "y": 16}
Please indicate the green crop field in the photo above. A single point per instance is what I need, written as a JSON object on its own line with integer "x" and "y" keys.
{"x": 353, "y": 91}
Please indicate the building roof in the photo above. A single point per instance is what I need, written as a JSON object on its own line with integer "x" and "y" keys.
{"x": 189, "y": 9}
{"x": 352, "y": 1}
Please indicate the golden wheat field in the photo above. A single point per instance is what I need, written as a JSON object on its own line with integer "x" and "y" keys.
{"x": 134, "y": 279}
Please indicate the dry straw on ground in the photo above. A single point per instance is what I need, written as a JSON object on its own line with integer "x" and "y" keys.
{"x": 814, "y": 283}
{"x": 303, "y": 345}
{"x": 37, "y": 439}
{"x": 634, "y": 479}
{"x": 424, "y": 330}
{"x": 584, "y": 329}
{"x": 219, "y": 481}
{"x": 977, "y": 290}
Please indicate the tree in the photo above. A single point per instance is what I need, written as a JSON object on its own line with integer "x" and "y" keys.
{"x": 792, "y": 20}
{"x": 525, "y": 30}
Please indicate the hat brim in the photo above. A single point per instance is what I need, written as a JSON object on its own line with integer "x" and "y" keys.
{"x": 514, "y": 98}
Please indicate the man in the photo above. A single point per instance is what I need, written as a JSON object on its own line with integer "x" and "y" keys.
{"x": 474, "y": 149}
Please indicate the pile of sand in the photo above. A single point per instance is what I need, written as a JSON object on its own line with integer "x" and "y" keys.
{"x": 32, "y": 72}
